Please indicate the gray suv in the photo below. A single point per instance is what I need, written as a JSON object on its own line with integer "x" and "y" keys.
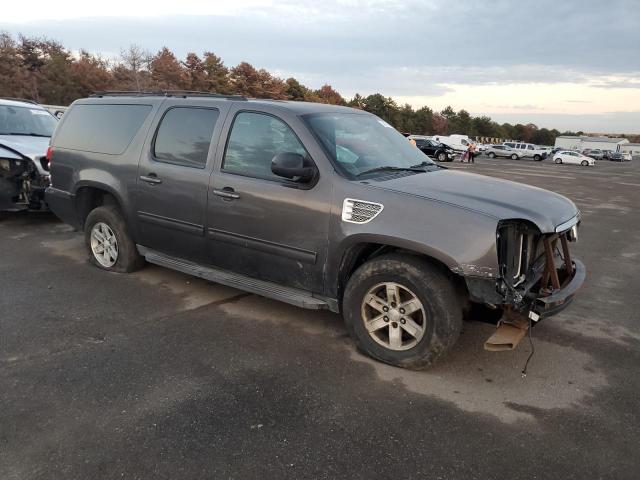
{"x": 320, "y": 206}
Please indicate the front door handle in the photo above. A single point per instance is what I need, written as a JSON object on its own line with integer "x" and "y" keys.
{"x": 227, "y": 192}
{"x": 152, "y": 178}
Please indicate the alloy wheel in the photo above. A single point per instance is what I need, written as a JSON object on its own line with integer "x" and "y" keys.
{"x": 394, "y": 316}
{"x": 104, "y": 245}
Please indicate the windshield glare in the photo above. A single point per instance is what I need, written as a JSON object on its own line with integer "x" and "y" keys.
{"x": 26, "y": 121}
{"x": 361, "y": 142}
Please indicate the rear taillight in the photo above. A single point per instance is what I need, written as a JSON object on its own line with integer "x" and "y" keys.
{"x": 48, "y": 158}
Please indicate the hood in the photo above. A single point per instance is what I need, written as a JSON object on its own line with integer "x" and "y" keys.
{"x": 32, "y": 147}
{"x": 497, "y": 198}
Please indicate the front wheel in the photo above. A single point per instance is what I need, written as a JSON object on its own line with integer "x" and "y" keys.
{"x": 492, "y": 155}
{"x": 584, "y": 163}
{"x": 515, "y": 157}
{"x": 558, "y": 161}
{"x": 441, "y": 157}
{"x": 402, "y": 310}
{"x": 537, "y": 158}
{"x": 108, "y": 242}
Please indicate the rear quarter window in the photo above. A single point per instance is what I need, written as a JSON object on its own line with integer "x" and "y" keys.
{"x": 101, "y": 128}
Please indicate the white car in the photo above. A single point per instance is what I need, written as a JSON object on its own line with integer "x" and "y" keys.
{"x": 574, "y": 158}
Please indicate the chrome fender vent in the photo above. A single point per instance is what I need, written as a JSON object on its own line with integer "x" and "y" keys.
{"x": 360, "y": 211}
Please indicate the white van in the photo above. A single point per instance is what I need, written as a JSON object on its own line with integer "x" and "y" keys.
{"x": 459, "y": 143}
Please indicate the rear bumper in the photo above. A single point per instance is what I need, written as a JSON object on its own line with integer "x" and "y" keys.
{"x": 62, "y": 204}
{"x": 554, "y": 303}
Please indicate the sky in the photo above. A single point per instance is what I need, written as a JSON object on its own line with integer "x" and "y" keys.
{"x": 566, "y": 64}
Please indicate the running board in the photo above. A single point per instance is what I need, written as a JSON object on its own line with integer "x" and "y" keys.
{"x": 299, "y": 298}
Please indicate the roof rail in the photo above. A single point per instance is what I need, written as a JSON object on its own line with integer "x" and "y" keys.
{"x": 164, "y": 93}
{"x": 15, "y": 99}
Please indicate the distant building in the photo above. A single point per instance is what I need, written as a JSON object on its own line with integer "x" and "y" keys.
{"x": 584, "y": 142}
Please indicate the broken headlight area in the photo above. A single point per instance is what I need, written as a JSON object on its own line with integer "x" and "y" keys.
{"x": 21, "y": 185}
{"x": 531, "y": 264}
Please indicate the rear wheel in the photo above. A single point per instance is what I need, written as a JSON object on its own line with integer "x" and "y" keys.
{"x": 402, "y": 310}
{"x": 515, "y": 157}
{"x": 108, "y": 242}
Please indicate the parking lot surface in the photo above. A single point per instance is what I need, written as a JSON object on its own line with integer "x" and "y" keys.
{"x": 160, "y": 375}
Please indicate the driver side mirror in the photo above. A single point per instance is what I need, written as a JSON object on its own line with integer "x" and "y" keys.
{"x": 293, "y": 166}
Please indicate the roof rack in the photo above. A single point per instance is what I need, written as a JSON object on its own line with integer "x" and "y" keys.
{"x": 15, "y": 99}
{"x": 164, "y": 93}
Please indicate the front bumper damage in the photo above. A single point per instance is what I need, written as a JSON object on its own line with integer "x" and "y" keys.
{"x": 539, "y": 279}
{"x": 22, "y": 186}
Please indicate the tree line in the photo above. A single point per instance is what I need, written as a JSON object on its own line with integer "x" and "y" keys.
{"x": 44, "y": 70}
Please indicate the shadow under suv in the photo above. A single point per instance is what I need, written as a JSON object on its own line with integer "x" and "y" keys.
{"x": 320, "y": 206}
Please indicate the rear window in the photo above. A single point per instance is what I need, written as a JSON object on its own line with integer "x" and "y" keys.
{"x": 101, "y": 128}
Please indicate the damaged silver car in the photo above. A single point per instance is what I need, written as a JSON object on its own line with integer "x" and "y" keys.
{"x": 25, "y": 131}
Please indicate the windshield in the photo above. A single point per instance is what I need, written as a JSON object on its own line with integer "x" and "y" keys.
{"x": 26, "y": 121}
{"x": 358, "y": 143}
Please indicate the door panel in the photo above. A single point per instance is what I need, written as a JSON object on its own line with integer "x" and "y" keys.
{"x": 173, "y": 178}
{"x": 261, "y": 225}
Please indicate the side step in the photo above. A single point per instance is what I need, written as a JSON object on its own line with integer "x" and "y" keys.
{"x": 299, "y": 298}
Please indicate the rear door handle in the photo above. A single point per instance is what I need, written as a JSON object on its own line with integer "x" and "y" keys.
{"x": 152, "y": 178}
{"x": 227, "y": 192}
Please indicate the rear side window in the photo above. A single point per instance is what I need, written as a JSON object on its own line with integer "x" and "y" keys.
{"x": 254, "y": 140}
{"x": 184, "y": 136}
{"x": 101, "y": 128}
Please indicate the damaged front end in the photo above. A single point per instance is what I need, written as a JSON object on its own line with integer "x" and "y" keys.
{"x": 538, "y": 277}
{"x": 22, "y": 183}
{"x": 537, "y": 271}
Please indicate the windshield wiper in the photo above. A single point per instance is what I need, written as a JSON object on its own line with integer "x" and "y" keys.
{"x": 26, "y": 134}
{"x": 389, "y": 168}
{"x": 423, "y": 164}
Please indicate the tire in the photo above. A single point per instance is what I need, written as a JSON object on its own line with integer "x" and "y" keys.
{"x": 106, "y": 222}
{"x": 584, "y": 163}
{"x": 537, "y": 157}
{"x": 515, "y": 157}
{"x": 558, "y": 161}
{"x": 441, "y": 157}
{"x": 491, "y": 155}
{"x": 439, "y": 316}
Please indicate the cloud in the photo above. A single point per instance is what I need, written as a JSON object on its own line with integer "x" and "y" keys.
{"x": 410, "y": 48}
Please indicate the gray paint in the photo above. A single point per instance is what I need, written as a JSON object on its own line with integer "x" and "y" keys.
{"x": 288, "y": 233}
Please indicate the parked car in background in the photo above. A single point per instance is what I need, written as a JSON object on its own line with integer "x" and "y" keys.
{"x": 494, "y": 151}
{"x": 434, "y": 149}
{"x": 529, "y": 150}
{"x": 606, "y": 154}
{"x": 594, "y": 153}
{"x": 573, "y": 158}
{"x": 387, "y": 232}
{"x": 25, "y": 130}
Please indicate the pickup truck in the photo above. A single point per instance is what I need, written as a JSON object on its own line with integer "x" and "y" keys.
{"x": 526, "y": 150}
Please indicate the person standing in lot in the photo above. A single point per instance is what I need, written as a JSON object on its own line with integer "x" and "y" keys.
{"x": 471, "y": 152}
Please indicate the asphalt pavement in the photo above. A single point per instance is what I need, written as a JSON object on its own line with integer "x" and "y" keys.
{"x": 159, "y": 375}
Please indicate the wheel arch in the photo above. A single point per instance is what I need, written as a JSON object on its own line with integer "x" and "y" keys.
{"x": 90, "y": 195}
{"x": 356, "y": 253}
